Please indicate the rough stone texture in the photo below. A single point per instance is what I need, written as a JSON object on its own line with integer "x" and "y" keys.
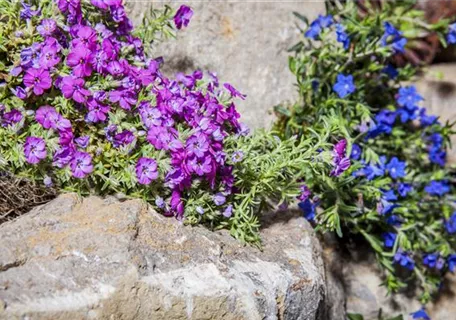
{"x": 245, "y": 43}
{"x": 105, "y": 259}
{"x": 365, "y": 295}
{"x": 440, "y": 95}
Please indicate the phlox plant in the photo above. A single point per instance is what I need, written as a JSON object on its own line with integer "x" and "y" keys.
{"x": 84, "y": 108}
{"x": 390, "y": 184}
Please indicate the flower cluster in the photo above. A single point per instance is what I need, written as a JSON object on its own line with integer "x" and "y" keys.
{"x": 394, "y": 188}
{"x": 87, "y": 94}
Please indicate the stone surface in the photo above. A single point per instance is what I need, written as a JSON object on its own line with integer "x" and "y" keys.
{"x": 245, "y": 43}
{"x": 365, "y": 295}
{"x": 104, "y": 259}
{"x": 438, "y": 88}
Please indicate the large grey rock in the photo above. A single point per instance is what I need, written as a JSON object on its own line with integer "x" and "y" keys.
{"x": 438, "y": 87}
{"x": 245, "y": 43}
{"x": 105, "y": 259}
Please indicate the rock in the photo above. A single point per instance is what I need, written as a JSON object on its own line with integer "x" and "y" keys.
{"x": 365, "y": 295}
{"x": 104, "y": 259}
{"x": 245, "y": 43}
{"x": 438, "y": 88}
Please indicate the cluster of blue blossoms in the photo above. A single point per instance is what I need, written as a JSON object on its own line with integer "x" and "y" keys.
{"x": 406, "y": 112}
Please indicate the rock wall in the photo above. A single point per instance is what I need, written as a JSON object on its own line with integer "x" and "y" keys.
{"x": 105, "y": 259}
{"x": 244, "y": 42}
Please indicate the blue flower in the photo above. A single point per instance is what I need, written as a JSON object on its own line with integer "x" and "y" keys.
{"x": 308, "y": 208}
{"x": 356, "y": 152}
{"x": 407, "y": 114}
{"x": 318, "y": 25}
{"x": 344, "y": 85}
{"x": 437, "y": 156}
{"x": 394, "y": 220}
{"x": 390, "y": 71}
{"x": 432, "y": 260}
{"x": 408, "y": 97}
{"x": 396, "y": 168}
{"x": 402, "y": 258}
{"x": 342, "y": 36}
{"x": 451, "y": 260}
{"x": 314, "y": 30}
{"x": 437, "y": 188}
{"x": 404, "y": 189}
{"x": 394, "y": 37}
{"x": 436, "y": 140}
{"x": 389, "y": 238}
{"x": 386, "y": 116}
{"x": 426, "y": 120}
{"x": 420, "y": 314}
{"x": 451, "y": 37}
{"x": 450, "y": 224}
{"x": 389, "y": 195}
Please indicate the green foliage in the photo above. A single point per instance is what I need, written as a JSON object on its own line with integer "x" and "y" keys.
{"x": 354, "y": 203}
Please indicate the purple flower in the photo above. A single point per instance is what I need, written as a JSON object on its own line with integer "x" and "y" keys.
{"x": 38, "y": 79}
{"x": 183, "y": 16}
{"x": 102, "y": 4}
{"x": 150, "y": 116}
{"x": 233, "y": 91}
{"x": 159, "y": 202}
{"x": 49, "y": 57}
{"x": 79, "y": 59}
{"x": 81, "y": 164}
{"x": 47, "y": 27}
{"x": 146, "y": 170}
{"x": 340, "y": 166}
{"x": 341, "y": 162}
{"x": 123, "y": 138}
{"x": 85, "y": 37}
{"x": 344, "y": 85}
{"x": 118, "y": 14}
{"x": 305, "y": 193}
{"x": 63, "y": 156}
{"x": 115, "y": 68}
{"x": 27, "y": 12}
{"x": 177, "y": 205}
{"x": 34, "y": 150}
{"x": 12, "y": 117}
{"x": 228, "y": 212}
{"x": 219, "y": 199}
{"x": 73, "y": 88}
{"x": 45, "y": 115}
{"x": 237, "y": 156}
{"x": 97, "y": 111}
{"x": 199, "y": 209}
{"x": 198, "y": 145}
{"x": 125, "y": 98}
{"x": 82, "y": 142}
{"x": 48, "y": 181}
